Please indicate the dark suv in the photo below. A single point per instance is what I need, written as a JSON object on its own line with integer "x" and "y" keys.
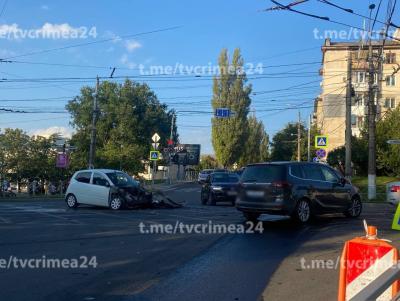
{"x": 298, "y": 189}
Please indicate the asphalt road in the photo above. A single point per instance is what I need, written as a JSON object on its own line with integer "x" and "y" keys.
{"x": 132, "y": 265}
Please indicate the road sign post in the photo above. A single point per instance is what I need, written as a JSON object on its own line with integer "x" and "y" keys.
{"x": 154, "y": 155}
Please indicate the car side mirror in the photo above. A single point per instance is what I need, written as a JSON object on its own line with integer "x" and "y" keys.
{"x": 107, "y": 184}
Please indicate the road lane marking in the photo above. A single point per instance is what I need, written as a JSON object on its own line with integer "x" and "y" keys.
{"x": 4, "y": 220}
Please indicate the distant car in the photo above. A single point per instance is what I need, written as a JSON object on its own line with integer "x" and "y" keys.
{"x": 105, "y": 187}
{"x": 203, "y": 175}
{"x": 297, "y": 189}
{"x": 220, "y": 186}
{"x": 393, "y": 193}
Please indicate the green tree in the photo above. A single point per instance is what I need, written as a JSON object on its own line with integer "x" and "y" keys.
{"x": 284, "y": 143}
{"x": 388, "y": 156}
{"x": 230, "y": 91}
{"x": 359, "y": 156}
{"x": 256, "y": 146}
{"x": 207, "y": 162}
{"x": 129, "y": 114}
{"x": 15, "y": 144}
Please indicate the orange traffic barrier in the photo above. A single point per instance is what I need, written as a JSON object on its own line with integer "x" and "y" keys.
{"x": 363, "y": 260}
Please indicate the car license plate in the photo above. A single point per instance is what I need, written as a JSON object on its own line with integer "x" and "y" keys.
{"x": 255, "y": 194}
{"x": 232, "y": 192}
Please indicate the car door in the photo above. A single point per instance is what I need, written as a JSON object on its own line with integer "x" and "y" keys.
{"x": 100, "y": 190}
{"x": 340, "y": 190}
{"x": 319, "y": 189}
{"x": 82, "y": 187}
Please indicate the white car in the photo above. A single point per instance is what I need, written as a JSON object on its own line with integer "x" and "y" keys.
{"x": 104, "y": 187}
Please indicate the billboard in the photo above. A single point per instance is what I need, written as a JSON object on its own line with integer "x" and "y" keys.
{"x": 187, "y": 154}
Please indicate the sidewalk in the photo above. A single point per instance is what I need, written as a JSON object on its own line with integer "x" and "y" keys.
{"x": 37, "y": 197}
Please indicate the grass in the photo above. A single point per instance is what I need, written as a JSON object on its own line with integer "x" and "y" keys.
{"x": 362, "y": 184}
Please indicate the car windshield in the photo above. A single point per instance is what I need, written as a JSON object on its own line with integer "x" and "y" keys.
{"x": 121, "y": 179}
{"x": 263, "y": 173}
{"x": 224, "y": 178}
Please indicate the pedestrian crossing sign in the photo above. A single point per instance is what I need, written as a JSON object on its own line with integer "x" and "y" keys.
{"x": 321, "y": 141}
{"x": 154, "y": 155}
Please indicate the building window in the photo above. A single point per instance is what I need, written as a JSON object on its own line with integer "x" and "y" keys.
{"x": 360, "y": 76}
{"x": 390, "y": 58}
{"x": 390, "y": 102}
{"x": 390, "y": 80}
{"x": 357, "y": 100}
{"x": 353, "y": 121}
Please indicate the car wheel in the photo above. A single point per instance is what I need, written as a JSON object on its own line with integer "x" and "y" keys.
{"x": 116, "y": 203}
{"x": 251, "y": 216}
{"x": 71, "y": 201}
{"x": 302, "y": 213}
{"x": 211, "y": 199}
{"x": 355, "y": 208}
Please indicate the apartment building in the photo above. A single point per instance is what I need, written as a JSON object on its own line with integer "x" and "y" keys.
{"x": 330, "y": 105}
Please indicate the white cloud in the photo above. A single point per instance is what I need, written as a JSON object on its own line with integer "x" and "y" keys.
{"x": 63, "y": 131}
{"x": 125, "y": 61}
{"x": 44, "y": 7}
{"x": 132, "y": 45}
{"x": 55, "y": 30}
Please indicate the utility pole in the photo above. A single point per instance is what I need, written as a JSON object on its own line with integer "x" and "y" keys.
{"x": 92, "y": 150}
{"x": 348, "y": 171}
{"x": 298, "y": 139}
{"x": 371, "y": 126}
{"x": 171, "y": 136}
{"x": 309, "y": 139}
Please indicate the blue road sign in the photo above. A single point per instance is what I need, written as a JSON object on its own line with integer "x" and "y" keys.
{"x": 154, "y": 155}
{"x": 321, "y": 153}
{"x": 321, "y": 141}
{"x": 222, "y": 112}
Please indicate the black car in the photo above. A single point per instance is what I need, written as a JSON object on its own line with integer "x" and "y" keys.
{"x": 297, "y": 189}
{"x": 220, "y": 186}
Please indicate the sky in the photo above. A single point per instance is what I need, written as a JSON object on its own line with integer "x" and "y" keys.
{"x": 281, "y": 49}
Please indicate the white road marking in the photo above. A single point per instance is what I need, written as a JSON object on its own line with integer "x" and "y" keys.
{"x": 4, "y": 220}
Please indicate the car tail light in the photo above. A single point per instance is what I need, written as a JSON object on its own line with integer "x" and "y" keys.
{"x": 395, "y": 188}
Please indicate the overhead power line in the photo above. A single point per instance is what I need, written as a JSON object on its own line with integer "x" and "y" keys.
{"x": 93, "y": 42}
{"x": 351, "y": 11}
{"x": 327, "y": 19}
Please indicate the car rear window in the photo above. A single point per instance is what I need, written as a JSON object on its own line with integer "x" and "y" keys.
{"x": 83, "y": 177}
{"x": 224, "y": 178}
{"x": 264, "y": 173}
